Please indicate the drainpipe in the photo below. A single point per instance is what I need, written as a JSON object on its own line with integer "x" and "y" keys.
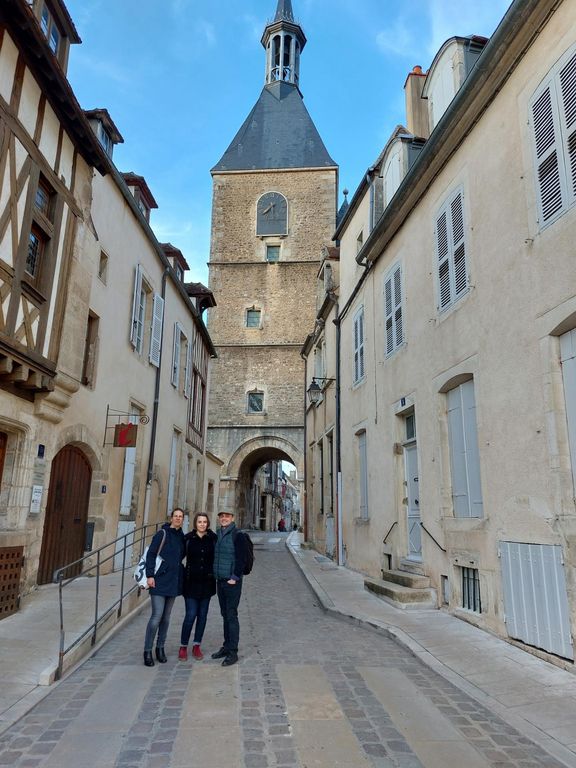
{"x": 339, "y": 537}
{"x": 305, "y": 492}
{"x": 150, "y": 472}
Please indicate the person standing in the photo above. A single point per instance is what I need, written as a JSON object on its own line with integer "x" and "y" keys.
{"x": 199, "y": 584}
{"x": 230, "y": 556}
{"x": 165, "y": 585}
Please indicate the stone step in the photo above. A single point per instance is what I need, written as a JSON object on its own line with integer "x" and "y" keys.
{"x": 406, "y": 579}
{"x": 412, "y": 566}
{"x": 401, "y": 596}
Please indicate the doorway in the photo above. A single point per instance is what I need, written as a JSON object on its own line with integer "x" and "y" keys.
{"x": 66, "y": 513}
{"x": 412, "y": 492}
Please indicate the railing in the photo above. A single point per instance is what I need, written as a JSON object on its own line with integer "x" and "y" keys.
{"x": 432, "y": 537}
{"x": 133, "y": 541}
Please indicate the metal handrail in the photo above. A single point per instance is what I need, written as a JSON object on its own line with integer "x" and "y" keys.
{"x": 389, "y": 531}
{"x": 432, "y": 537}
{"x": 130, "y": 539}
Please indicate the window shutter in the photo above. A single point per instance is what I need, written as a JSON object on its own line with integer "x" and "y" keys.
{"x": 458, "y": 246}
{"x": 156, "y": 335}
{"x": 398, "y": 322}
{"x": 356, "y": 351}
{"x": 176, "y": 355}
{"x": 567, "y": 81}
{"x": 135, "y": 306}
{"x": 457, "y": 454}
{"x": 443, "y": 251}
{"x": 389, "y": 316}
{"x": 547, "y": 162}
{"x": 188, "y": 375}
{"x": 362, "y": 459}
{"x": 361, "y": 344}
{"x": 472, "y": 454}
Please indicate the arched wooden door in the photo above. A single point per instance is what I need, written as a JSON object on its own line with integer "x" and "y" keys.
{"x": 66, "y": 512}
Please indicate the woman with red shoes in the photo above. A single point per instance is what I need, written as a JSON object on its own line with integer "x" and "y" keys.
{"x": 199, "y": 584}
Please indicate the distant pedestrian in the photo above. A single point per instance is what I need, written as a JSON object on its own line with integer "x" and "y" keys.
{"x": 230, "y": 557}
{"x": 199, "y": 584}
{"x": 164, "y": 585}
{"x": 281, "y": 525}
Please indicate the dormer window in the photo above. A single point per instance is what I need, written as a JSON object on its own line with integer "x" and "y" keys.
{"x": 179, "y": 272}
{"x": 144, "y": 210}
{"x": 105, "y": 140}
{"x": 50, "y": 30}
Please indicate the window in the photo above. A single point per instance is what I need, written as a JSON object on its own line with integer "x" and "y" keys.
{"x": 553, "y": 123}
{"x": 363, "y": 475}
{"x": 255, "y": 402}
{"x": 329, "y": 488}
{"x": 90, "y": 349}
{"x": 50, "y": 30}
{"x": 471, "y": 590}
{"x": 36, "y": 247}
{"x": 393, "y": 309}
{"x": 181, "y": 361}
{"x": 197, "y": 403}
{"x": 253, "y": 318}
{"x": 147, "y": 318}
{"x": 410, "y": 423}
{"x": 272, "y": 253}
{"x": 103, "y": 267}
{"x": 179, "y": 272}
{"x": 319, "y": 361}
{"x": 321, "y": 475}
{"x": 359, "y": 345}
{"x": 464, "y": 458}
{"x": 451, "y": 252}
{"x": 105, "y": 140}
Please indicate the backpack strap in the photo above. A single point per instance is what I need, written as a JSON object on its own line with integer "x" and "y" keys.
{"x": 161, "y": 545}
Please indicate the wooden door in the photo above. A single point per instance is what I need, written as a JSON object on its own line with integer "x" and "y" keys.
{"x": 66, "y": 513}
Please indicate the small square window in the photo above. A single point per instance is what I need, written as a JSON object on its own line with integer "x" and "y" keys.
{"x": 255, "y": 402}
{"x": 272, "y": 253}
{"x": 253, "y": 318}
{"x": 43, "y": 198}
{"x": 410, "y": 427}
{"x": 103, "y": 267}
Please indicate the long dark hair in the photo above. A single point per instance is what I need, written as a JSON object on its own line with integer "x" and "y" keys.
{"x": 196, "y": 516}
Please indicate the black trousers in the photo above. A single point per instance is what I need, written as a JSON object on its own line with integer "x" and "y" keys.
{"x": 229, "y": 599}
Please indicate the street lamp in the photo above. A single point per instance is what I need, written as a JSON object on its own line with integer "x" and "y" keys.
{"x": 316, "y": 388}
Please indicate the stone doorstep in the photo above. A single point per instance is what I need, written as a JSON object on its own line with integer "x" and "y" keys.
{"x": 401, "y": 596}
{"x": 406, "y": 579}
{"x": 412, "y": 566}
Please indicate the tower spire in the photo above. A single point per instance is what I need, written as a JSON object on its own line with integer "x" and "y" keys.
{"x": 284, "y": 40}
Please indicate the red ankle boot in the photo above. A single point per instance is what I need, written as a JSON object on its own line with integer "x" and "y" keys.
{"x": 183, "y": 653}
{"x": 197, "y": 653}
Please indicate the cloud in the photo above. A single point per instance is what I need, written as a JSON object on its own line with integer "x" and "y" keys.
{"x": 397, "y": 39}
{"x": 462, "y": 17}
{"x": 108, "y": 69}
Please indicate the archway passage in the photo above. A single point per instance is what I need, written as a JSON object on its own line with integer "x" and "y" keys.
{"x": 261, "y": 491}
{"x": 66, "y": 513}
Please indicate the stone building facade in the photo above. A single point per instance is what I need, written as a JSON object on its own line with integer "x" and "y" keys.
{"x": 274, "y": 202}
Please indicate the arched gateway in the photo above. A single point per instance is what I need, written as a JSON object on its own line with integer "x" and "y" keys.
{"x": 237, "y": 480}
{"x": 273, "y": 210}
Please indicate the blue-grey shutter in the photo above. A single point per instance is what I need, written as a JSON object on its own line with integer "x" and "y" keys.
{"x": 568, "y": 360}
{"x": 135, "y": 306}
{"x": 363, "y": 466}
{"x": 472, "y": 454}
{"x": 188, "y": 373}
{"x": 567, "y": 84}
{"x": 457, "y": 454}
{"x": 156, "y": 334}
{"x": 356, "y": 352}
{"x": 398, "y": 319}
{"x": 393, "y": 309}
{"x": 389, "y": 309}
{"x": 361, "y": 344}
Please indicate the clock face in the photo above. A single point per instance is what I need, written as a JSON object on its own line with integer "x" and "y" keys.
{"x": 272, "y": 214}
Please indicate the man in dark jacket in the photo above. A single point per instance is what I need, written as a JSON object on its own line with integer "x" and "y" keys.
{"x": 229, "y": 561}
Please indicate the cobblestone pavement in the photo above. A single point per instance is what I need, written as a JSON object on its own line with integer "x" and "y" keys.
{"x": 310, "y": 691}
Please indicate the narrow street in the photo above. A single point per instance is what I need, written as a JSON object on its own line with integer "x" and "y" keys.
{"x": 310, "y": 691}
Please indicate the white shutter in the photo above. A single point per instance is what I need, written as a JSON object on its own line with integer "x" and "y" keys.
{"x": 398, "y": 312}
{"x": 393, "y": 309}
{"x": 567, "y": 84}
{"x": 361, "y": 343}
{"x": 188, "y": 374}
{"x": 389, "y": 309}
{"x": 458, "y": 246}
{"x": 136, "y": 306}
{"x": 356, "y": 350}
{"x": 546, "y": 133}
{"x": 443, "y": 253}
{"x": 176, "y": 355}
{"x": 156, "y": 335}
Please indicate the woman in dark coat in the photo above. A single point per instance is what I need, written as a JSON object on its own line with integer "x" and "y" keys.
{"x": 199, "y": 584}
{"x": 164, "y": 585}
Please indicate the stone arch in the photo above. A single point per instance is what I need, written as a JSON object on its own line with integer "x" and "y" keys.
{"x": 237, "y": 478}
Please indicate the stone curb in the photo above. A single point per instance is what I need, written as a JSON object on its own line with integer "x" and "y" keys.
{"x": 398, "y": 635}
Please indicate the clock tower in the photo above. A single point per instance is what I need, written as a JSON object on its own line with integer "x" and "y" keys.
{"x": 273, "y": 209}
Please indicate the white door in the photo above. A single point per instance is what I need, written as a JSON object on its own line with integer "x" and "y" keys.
{"x": 413, "y": 502}
{"x": 568, "y": 359}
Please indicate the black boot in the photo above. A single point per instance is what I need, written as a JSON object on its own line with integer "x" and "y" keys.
{"x": 160, "y": 655}
{"x": 220, "y": 654}
{"x": 232, "y": 658}
{"x": 148, "y": 660}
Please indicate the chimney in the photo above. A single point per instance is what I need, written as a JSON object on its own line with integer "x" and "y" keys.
{"x": 416, "y": 106}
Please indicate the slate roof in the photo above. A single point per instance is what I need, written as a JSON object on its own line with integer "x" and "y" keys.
{"x": 284, "y": 11}
{"x": 278, "y": 133}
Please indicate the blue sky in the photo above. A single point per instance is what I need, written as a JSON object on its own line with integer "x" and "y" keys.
{"x": 180, "y": 76}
